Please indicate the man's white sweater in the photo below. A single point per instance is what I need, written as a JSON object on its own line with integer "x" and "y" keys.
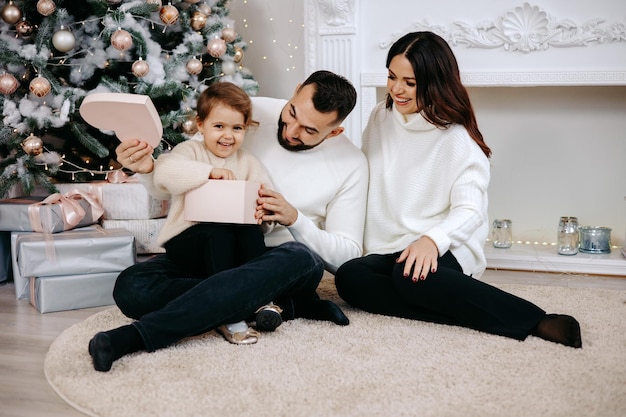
{"x": 425, "y": 181}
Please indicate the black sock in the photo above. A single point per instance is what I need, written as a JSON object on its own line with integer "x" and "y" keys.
{"x": 316, "y": 309}
{"x": 107, "y": 347}
{"x": 559, "y": 328}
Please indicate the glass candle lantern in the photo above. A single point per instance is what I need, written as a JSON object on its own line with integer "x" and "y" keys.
{"x": 502, "y": 233}
{"x": 568, "y": 236}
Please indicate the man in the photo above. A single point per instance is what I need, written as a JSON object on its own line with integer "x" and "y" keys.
{"x": 319, "y": 205}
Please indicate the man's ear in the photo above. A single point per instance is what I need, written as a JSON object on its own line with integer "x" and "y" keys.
{"x": 335, "y": 132}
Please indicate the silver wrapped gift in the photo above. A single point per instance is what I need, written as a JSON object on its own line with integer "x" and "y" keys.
{"x": 146, "y": 232}
{"x": 122, "y": 201}
{"x": 52, "y": 214}
{"x": 48, "y": 294}
{"x": 75, "y": 252}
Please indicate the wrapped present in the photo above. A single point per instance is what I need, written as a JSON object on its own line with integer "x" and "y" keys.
{"x": 122, "y": 201}
{"x": 52, "y": 214}
{"x": 222, "y": 201}
{"x": 145, "y": 232}
{"x": 75, "y": 252}
{"x": 72, "y": 292}
{"x": 5, "y": 256}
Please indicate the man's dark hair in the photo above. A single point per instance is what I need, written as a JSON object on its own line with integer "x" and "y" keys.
{"x": 333, "y": 93}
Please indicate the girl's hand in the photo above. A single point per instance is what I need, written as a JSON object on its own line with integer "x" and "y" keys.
{"x": 221, "y": 174}
{"x": 421, "y": 257}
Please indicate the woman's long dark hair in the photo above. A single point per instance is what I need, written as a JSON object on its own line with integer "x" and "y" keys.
{"x": 441, "y": 95}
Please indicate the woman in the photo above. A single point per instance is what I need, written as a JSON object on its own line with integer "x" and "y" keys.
{"x": 426, "y": 217}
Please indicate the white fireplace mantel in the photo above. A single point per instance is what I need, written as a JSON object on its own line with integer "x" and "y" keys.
{"x": 506, "y": 43}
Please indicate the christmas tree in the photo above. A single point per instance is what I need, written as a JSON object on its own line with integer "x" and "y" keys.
{"x": 55, "y": 52}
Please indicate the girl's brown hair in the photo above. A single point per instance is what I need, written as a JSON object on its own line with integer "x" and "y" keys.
{"x": 225, "y": 94}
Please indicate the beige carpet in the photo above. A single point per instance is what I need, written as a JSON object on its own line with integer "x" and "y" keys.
{"x": 376, "y": 366}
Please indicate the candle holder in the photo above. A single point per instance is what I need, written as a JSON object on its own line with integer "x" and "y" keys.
{"x": 595, "y": 239}
{"x": 569, "y": 236}
{"x": 502, "y": 233}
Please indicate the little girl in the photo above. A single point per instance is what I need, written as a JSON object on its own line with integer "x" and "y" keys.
{"x": 203, "y": 249}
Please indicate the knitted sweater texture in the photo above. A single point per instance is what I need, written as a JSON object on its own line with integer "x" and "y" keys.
{"x": 425, "y": 181}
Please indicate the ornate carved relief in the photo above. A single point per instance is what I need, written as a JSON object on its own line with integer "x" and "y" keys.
{"x": 525, "y": 29}
{"x": 336, "y": 12}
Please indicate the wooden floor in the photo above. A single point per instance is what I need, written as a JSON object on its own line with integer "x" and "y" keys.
{"x": 25, "y": 336}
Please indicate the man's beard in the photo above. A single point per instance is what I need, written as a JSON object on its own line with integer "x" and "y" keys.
{"x": 285, "y": 144}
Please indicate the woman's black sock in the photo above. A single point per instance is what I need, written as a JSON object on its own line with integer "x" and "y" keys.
{"x": 559, "y": 328}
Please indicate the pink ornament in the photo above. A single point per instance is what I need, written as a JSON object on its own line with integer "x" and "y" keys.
{"x": 121, "y": 40}
{"x": 168, "y": 14}
{"x": 11, "y": 14}
{"x": 46, "y": 7}
{"x": 194, "y": 66}
{"x": 8, "y": 83}
{"x": 229, "y": 34}
{"x": 216, "y": 47}
{"x": 39, "y": 86}
{"x": 140, "y": 68}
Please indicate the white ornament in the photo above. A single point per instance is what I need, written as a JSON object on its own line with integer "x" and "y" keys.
{"x": 63, "y": 40}
{"x": 229, "y": 67}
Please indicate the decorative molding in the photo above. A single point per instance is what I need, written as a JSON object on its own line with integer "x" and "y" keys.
{"x": 336, "y": 13}
{"x": 524, "y": 29}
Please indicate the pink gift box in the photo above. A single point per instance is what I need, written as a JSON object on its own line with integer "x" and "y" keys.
{"x": 223, "y": 201}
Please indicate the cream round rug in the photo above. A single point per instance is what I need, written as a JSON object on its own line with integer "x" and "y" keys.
{"x": 376, "y": 366}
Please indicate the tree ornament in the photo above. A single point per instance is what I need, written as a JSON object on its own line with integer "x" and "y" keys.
{"x": 157, "y": 2}
{"x": 63, "y": 40}
{"x": 238, "y": 57}
{"x": 11, "y": 13}
{"x": 121, "y": 40}
{"x": 216, "y": 47}
{"x": 140, "y": 68}
{"x": 24, "y": 28}
{"x": 198, "y": 20}
{"x": 229, "y": 34}
{"x": 168, "y": 14}
{"x": 204, "y": 9}
{"x": 39, "y": 86}
{"x": 32, "y": 145}
{"x": 229, "y": 67}
{"x": 194, "y": 66}
{"x": 190, "y": 126}
{"x": 8, "y": 83}
{"x": 46, "y": 7}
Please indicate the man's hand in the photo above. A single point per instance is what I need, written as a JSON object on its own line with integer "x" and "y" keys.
{"x": 276, "y": 208}
{"x": 136, "y": 156}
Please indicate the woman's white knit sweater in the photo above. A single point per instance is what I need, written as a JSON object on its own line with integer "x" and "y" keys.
{"x": 425, "y": 181}
{"x": 188, "y": 166}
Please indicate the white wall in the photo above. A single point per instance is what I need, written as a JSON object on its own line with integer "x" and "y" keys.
{"x": 556, "y": 150}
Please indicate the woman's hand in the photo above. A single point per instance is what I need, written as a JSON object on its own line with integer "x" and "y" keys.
{"x": 135, "y": 155}
{"x": 421, "y": 257}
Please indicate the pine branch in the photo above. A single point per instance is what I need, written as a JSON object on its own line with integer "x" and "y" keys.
{"x": 88, "y": 141}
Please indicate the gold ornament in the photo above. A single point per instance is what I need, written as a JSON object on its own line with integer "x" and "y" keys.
{"x": 158, "y": 3}
{"x": 140, "y": 68}
{"x": 63, "y": 40}
{"x": 194, "y": 66}
{"x": 189, "y": 126}
{"x": 229, "y": 34}
{"x": 204, "y": 9}
{"x": 121, "y": 40}
{"x": 39, "y": 86}
{"x": 46, "y": 7}
{"x": 198, "y": 20}
{"x": 216, "y": 47}
{"x": 24, "y": 28}
{"x": 238, "y": 57}
{"x": 32, "y": 145}
{"x": 11, "y": 13}
{"x": 168, "y": 14}
{"x": 8, "y": 83}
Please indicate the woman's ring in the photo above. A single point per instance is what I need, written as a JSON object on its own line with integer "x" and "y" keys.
{"x": 131, "y": 159}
